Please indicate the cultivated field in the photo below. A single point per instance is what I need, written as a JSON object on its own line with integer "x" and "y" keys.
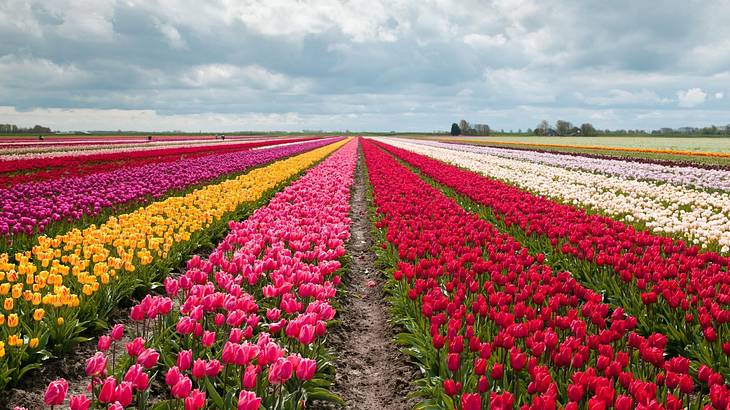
{"x": 370, "y": 272}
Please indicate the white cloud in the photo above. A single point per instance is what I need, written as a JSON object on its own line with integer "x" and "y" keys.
{"x": 691, "y": 98}
{"x": 27, "y": 72}
{"x": 484, "y": 41}
{"x": 252, "y": 76}
{"x": 172, "y": 36}
{"x": 719, "y": 95}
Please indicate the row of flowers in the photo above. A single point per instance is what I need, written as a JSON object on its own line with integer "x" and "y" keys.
{"x": 73, "y": 163}
{"x": 669, "y": 287}
{"x": 625, "y": 158}
{"x": 607, "y": 148}
{"x": 244, "y": 328}
{"x": 685, "y": 174}
{"x": 23, "y": 156}
{"x": 74, "y": 281}
{"x": 49, "y": 145}
{"x": 700, "y": 216}
{"x": 492, "y": 324}
{"x": 53, "y": 206}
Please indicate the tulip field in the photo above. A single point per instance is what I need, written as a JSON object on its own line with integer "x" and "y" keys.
{"x": 206, "y": 274}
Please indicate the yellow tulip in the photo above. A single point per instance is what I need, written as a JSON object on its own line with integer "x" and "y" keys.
{"x": 12, "y": 320}
{"x": 33, "y": 343}
{"x": 60, "y": 321}
{"x": 15, "y": 340}
{"x": 38, "y": 314}
{"x": 8, "y": 305}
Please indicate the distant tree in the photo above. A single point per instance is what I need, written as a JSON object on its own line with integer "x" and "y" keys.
{"x": 563, "y": 127}
{"x": 455, "y": 129}
{"x": 542, "y": 128}
{"x": 529, "y": 130}
{"x": 587, "y": 129}
{"x": 481, "y": 129}
{"x": 464, "y": 127}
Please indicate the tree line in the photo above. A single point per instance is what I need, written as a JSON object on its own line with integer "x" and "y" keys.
{"x": 14, "y": 129}
{"x": 464, "y": 128}
{"x": 563, "y": 127}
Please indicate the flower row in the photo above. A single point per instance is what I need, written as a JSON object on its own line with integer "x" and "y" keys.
{"x": 249, "y": 327}
{"x": 27, "y": 209}
{"x": 685, "y": 174}
{"x": 668, "y": 286}
{"x": 71, "y": 281}
{"x": 491, "y": 323}
{"x": 59, "y": 154}
{"x": 65, "y": 164}
{"x": 702, "y": 217}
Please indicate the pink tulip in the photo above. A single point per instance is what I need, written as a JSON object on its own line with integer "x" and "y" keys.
{"x": 247, "y": 400}
{"x": 173, "y": 376}
{"x": 249, "y": 377}
{"x": 184, "y": 359}
{"x": 104, "y": 343}
{"x": 124, "y": 393}
{"x": 135, "y": 347}
{"x": 208, "y": 338}
{"x": 79, "y": 402}
{"x": 306, "y": 335}
{"x": 56, "y": 392}
{"x": 117, "y": 332}
{"x": 199, "y": 369}
{"x": 106, "y": 395}
{"x": 137, "y": 376}
{"x": 195, "y": 401}
{"x": 213, "y": 368}
{"x": 306, "y": 369}
{"x": 280, "y": 371}
{"x": 182, "y": 388}
{"x": 148, "y": 358}
{"x": 96, "y": 365}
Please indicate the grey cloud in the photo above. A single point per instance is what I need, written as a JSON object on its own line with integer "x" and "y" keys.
{"x": 404, "y": 65}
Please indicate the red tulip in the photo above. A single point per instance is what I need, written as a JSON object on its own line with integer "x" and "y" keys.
{"x": 451, "y": 387}
{"x": 497, "y": 371}
{"x": 471, "y": 401}
{"x": 452, "y": 361}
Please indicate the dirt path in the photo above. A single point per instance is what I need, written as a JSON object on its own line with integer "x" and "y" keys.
{"x": 371, "y": 371}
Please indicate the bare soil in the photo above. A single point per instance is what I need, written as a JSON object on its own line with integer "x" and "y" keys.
{"x": 371, "y": 371}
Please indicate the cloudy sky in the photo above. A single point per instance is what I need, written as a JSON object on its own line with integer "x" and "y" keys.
{"x": 362, "y": 64}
